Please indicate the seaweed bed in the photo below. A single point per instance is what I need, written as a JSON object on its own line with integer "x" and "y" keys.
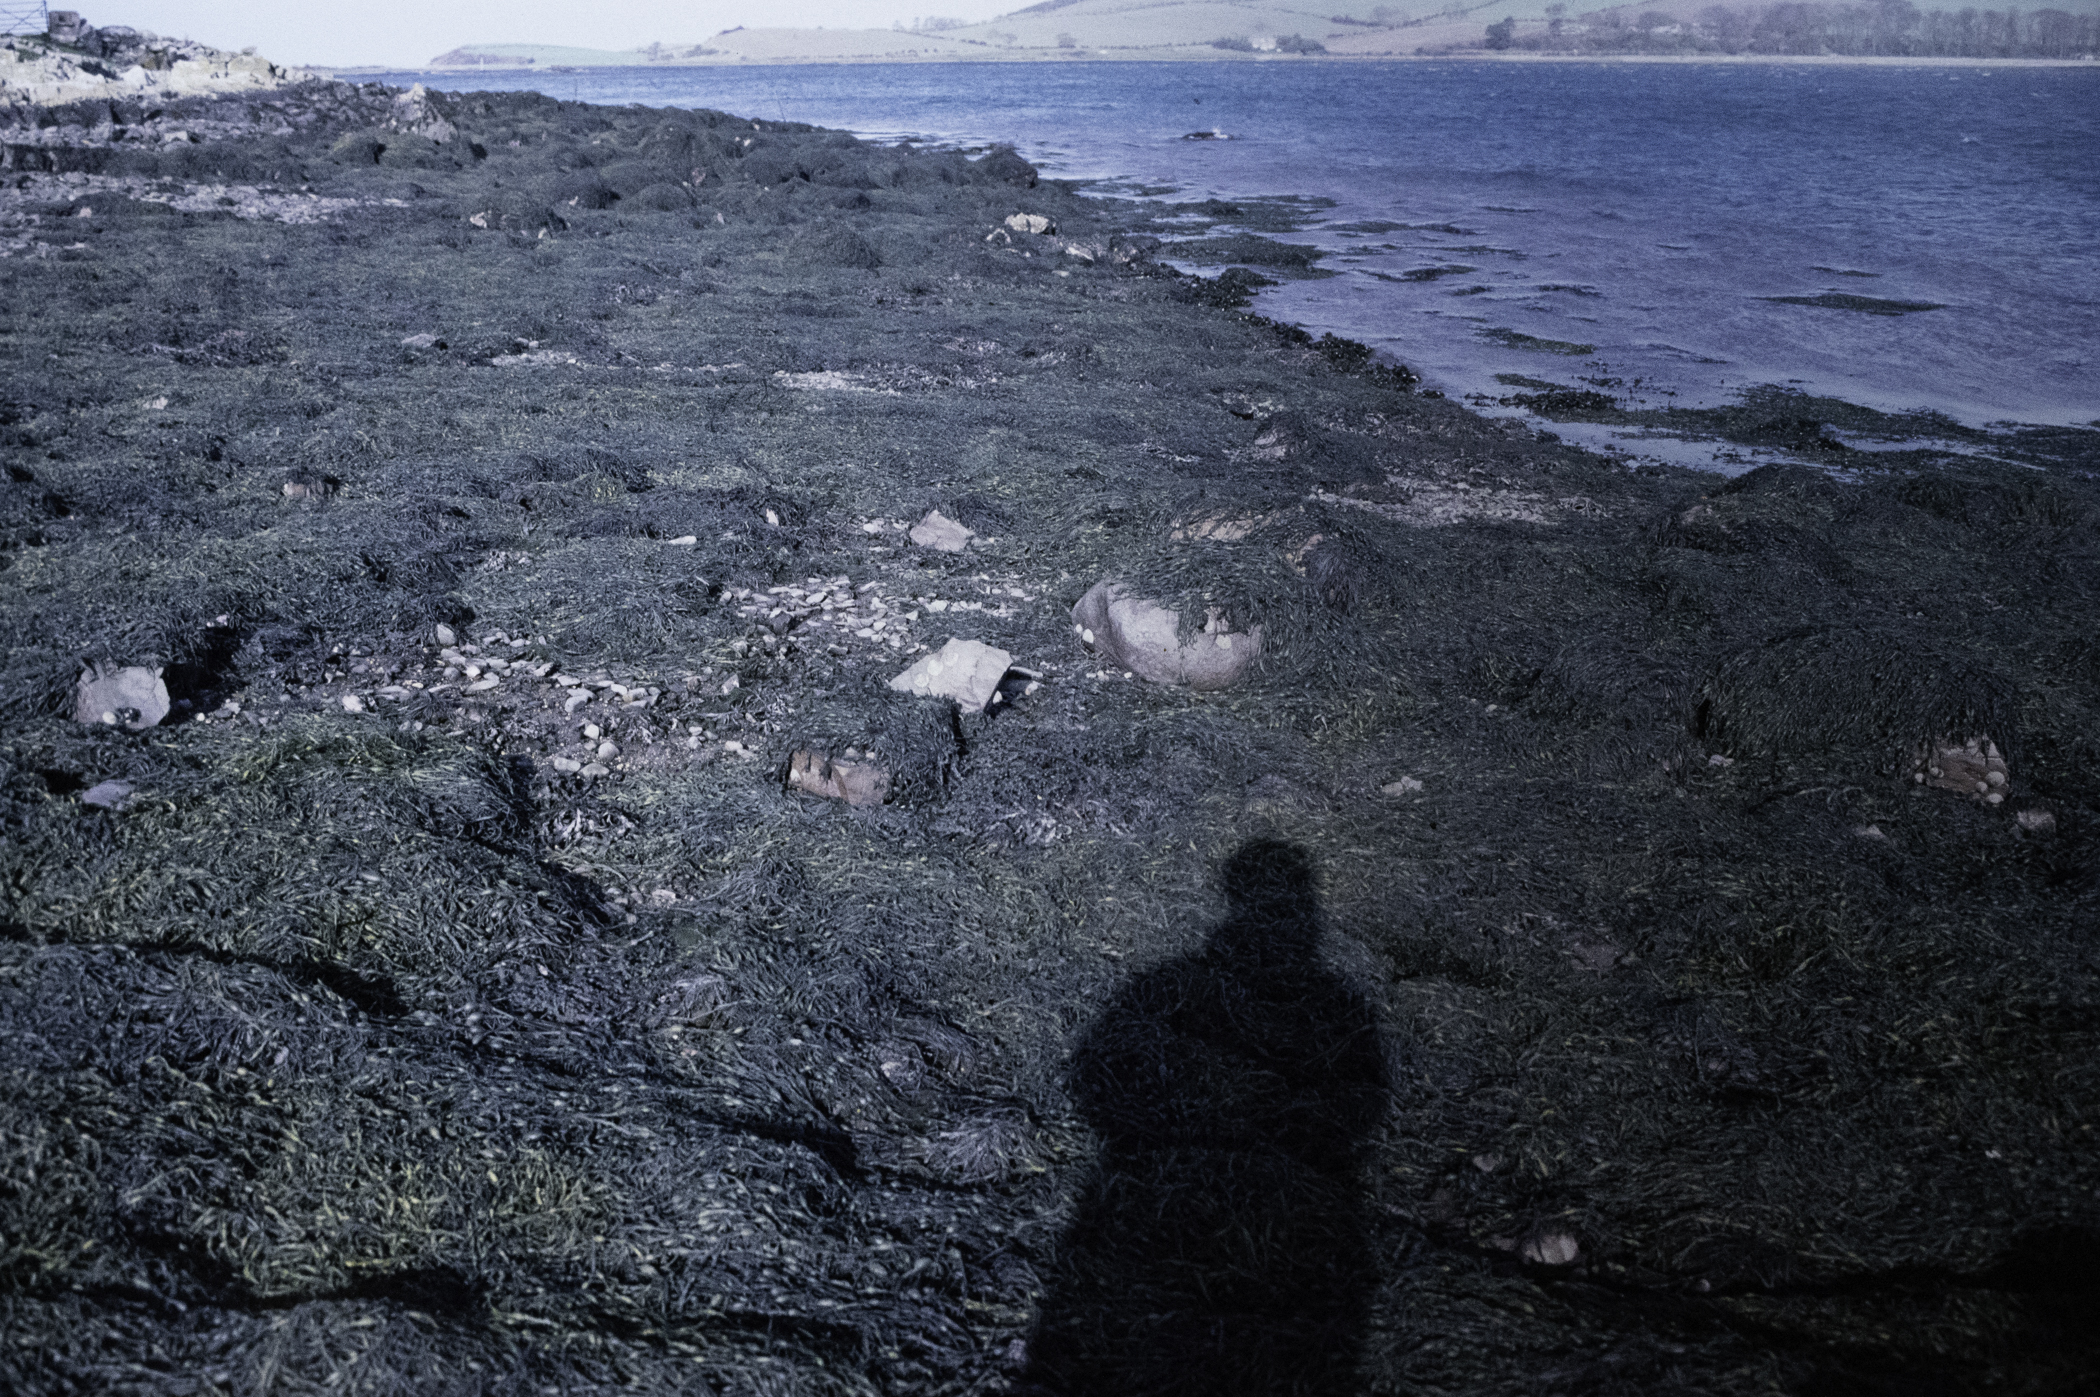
{"x": 1555, "y": 969}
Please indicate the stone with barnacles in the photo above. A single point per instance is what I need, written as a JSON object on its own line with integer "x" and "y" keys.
{"x": 131, "y": 697}
{"x": 1144, "y": 637}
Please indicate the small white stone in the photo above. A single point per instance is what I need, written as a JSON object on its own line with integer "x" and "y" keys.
{"x": 1996, "y": 778}
{"x": 1086, "y": 635}
{"x": 772, "y": 518}
{"x": 686, "y": 541}
{"x": 1995, "y": 798}
{"x": 445, "y": 636}
{"x": 1224, "y": 642}
{"x": 596, "y": 769}
{"x": 566, "y": 765}
{"x": 593, "y": 731}
{"x": 608, "y": 750}
{"x": 353, "y": 704}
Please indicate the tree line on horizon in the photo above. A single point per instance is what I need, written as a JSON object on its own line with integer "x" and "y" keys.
{"x": 1883, "y": 29}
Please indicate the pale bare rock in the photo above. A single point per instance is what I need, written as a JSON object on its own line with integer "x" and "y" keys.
{"x": 2037, "y": 821}
{"x": 133, "y": 697}
{"x": 1406, "y": 785}
{"x": 1550, "y": 1249}
{"x": 856, "y": 783}
{"x": 413, "y": 114}
{"x": 107, "y": 795}
{"x": 967, "y": 671}
{"x": 940, "y": 533}
{"x": 1144, "y": 638}
{"x": 1030, "y": 223}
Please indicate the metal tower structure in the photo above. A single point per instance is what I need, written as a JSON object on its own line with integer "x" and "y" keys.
{"x": 18, "y": 18}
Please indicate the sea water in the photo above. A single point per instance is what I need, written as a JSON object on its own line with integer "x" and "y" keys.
{"x": 1622, "y": 226}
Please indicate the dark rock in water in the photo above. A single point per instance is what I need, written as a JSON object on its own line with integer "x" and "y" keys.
{"x": 1791, "y": 433}
{"x": 1565, "y": 402}
{"x": 1869, "y": 305}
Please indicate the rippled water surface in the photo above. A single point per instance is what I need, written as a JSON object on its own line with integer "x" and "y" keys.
{"x": 1634, "y": 224}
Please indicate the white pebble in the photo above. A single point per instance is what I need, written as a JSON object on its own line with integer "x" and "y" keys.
{"x": 445, "y": 636}
{"x": 1086, "y": 635}
{"x": 353, "y": 704}
{"x": 1224, "y": 642}
{"x": 1995, "y": 798}
{"x": 593, "y": 731}
{"x": 608, "y": 750}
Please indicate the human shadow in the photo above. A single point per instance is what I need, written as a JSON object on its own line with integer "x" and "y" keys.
{"x": 1221, "y": 1244}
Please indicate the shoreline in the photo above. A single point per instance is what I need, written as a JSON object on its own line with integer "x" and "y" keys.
{"x": 567, "y": 924}
{"x": 1819, "y": 60}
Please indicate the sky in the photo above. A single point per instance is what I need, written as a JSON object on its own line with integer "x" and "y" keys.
{"x": 411, "y": 32}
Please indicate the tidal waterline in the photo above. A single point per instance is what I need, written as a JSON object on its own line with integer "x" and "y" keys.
{"x": 1704, "y": 229}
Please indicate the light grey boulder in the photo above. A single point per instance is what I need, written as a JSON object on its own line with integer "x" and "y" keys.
{"x": 967, "y": 671}
{"x": 133, "y": 697}
{"x": 107, "y": 795}
{"x": 1144, "y": 637}
{"x": 412, "y": 113}
{"x": 937, "y": 531}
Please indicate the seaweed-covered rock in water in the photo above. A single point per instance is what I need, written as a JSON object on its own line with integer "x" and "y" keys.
{"x": 1145, "y": 638}
{"x": 1005, "y": 166}
{"x": 134, "y": 697}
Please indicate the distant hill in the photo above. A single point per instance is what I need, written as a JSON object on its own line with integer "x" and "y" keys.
{"x": 1273, "y": 30}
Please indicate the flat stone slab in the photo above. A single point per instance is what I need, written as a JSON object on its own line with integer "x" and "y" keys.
{"x": 937, "y": 531}
{"x": 1145, "y": 638}
{"x": 132, "y": 697}
{"x": 967, "y": 671}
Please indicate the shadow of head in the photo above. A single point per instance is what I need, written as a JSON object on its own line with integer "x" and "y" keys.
{"x": 1272, "y": 905}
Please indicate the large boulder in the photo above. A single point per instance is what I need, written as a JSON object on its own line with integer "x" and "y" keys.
{"x": 414, "y": 114}
{"x": 1144, "y": 637}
